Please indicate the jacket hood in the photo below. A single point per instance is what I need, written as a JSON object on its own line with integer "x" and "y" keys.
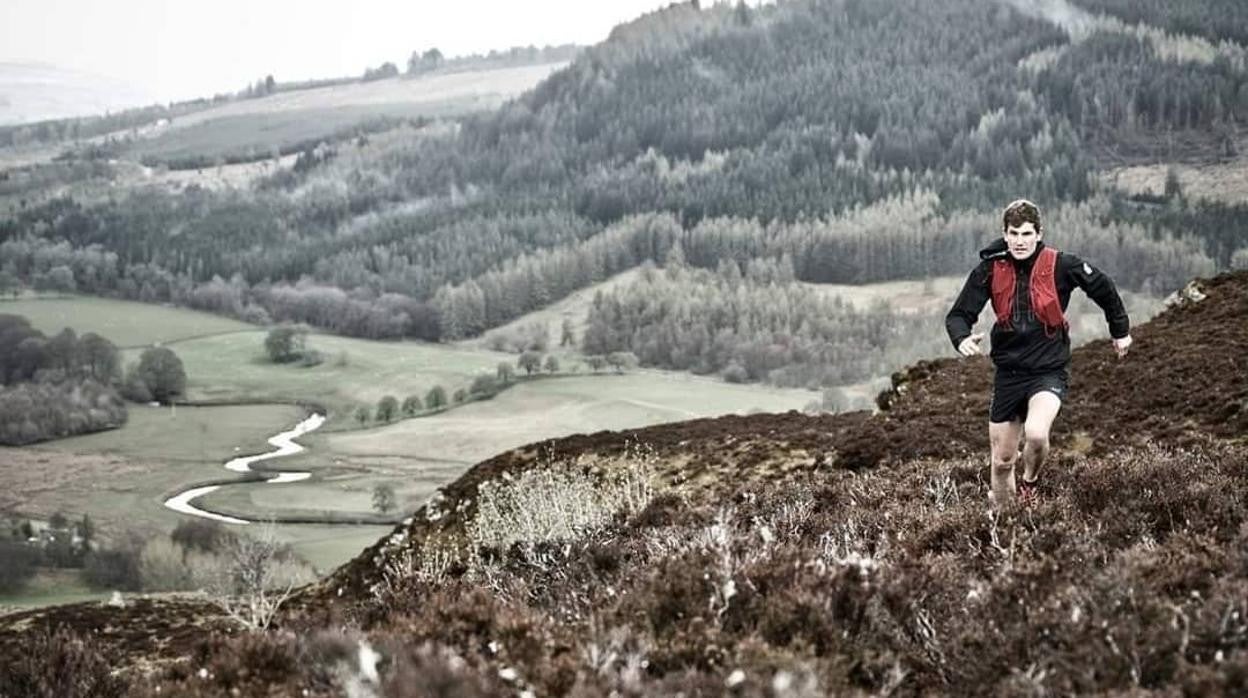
{"x": 997, "y": 249}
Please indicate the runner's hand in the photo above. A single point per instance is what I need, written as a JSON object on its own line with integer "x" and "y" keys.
{"x": 1121, "y": 345}
{"x": 970, "y": 346}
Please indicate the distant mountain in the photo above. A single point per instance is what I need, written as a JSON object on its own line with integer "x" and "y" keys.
{"x": 38, "y": 91}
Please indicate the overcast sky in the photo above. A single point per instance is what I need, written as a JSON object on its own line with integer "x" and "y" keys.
{"x": 179, "y": 49}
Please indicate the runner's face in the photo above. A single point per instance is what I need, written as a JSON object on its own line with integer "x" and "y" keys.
{"x": 1022, "y": 240}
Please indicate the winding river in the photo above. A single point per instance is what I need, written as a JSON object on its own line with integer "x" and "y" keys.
{"x": 286, "y": 446}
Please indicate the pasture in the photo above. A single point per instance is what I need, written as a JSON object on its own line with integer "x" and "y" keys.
{"x": 124, "y": 323}
{"x": 255, "y": 128}
{"x": 234, "y": 368}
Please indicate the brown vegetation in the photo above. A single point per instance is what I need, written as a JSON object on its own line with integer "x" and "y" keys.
{"x": 798, "y": 555}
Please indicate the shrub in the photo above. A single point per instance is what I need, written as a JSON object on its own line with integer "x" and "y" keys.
{"x": 286, "y": 343}
{"x": 203, "y": 535}
{"x": 113, "y": 569}
{"x": 162, "y": 566}
{"x": 530, "y": 361}
{"x": 411, "y": 405}
{"x": 387, "y": 408}
{"x": 17, "y": 565}
{"x": 59, "y": 664}
{"x": 383, "y": 499}
{"x": 436, "y": 397}
{"x": 310, "y": 358}
{"x": 734, "y": 372}
{"x": 159, "y": 376}
{"x": 484, "y": 385}
{"x": 506, "y": 373}
{"x": 255, "y": 315}
{"x": 596, "y": 362}
{"x": 254, "y": 576}
{"x": 558, "y": 501}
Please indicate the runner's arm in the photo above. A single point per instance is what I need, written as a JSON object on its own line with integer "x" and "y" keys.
{"x": 1100, "y": 288}
{"x": 971, "y": 300}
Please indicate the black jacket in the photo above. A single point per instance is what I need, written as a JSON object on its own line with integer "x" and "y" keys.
{"x": 1025, "y": 347}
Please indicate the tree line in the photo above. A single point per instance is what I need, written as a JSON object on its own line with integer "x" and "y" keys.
{"x": 55, "y": 387}
{"x": 1215, "y": 19}
{"x": 759, "y": 326}
{"x": 806, "y": 129}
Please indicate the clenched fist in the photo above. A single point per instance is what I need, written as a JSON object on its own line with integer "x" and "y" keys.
{"x": 971, "y": 345}
{"x": 1121, "y": 345}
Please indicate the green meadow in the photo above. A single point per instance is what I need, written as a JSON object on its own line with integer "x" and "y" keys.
{"x": 255, "y": 128}
{"x": 124, "y": 323}
{"x": 234, "y": 368}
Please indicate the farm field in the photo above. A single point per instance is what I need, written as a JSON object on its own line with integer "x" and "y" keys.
{"x": 573, "y": 308}
{"x": 256, "y": 127}
{"x": 234, "y": 367}
{"x": 124, "y": 323}
{"x": 416, "y": 456}
{"x": 121, "y": 478}
{"x": 50, "y": 587}
{"x": 558, "y": 407}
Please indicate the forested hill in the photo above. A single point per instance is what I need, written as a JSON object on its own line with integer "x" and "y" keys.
{"x": 863, "y": 140}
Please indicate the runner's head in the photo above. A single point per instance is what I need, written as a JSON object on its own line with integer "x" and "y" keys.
{"x": 1021, "y": 228}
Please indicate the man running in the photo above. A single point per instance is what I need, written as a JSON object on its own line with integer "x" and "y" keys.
{"x": 1029, "y": 285}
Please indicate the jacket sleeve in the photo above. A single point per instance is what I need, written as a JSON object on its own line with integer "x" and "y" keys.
{"x": 1100, "y": 288}
{"x": 971, "y": 300}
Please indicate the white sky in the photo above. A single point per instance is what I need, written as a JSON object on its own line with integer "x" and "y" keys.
{"x": 182, "y": 49}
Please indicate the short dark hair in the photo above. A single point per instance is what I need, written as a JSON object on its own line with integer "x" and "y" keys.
{"x": 1019, "y": 212}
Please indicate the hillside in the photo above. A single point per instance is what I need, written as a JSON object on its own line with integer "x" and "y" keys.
{"x": 792, "y": 555}
{"x": 863, "y": 141}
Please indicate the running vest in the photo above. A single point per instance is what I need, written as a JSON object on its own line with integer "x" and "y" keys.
{"x": 1045, "y": 303}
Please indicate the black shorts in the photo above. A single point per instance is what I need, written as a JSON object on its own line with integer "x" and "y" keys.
{"x": 1011, "y": 392}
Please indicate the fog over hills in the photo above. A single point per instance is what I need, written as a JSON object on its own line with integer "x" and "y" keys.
{"x": 39, "y": 91}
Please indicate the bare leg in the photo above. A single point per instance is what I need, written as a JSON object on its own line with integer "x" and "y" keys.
{"x": 1042, "y": 409}
{"x": 1003, "y": 436}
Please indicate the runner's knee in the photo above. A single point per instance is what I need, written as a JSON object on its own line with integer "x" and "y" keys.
{"x": 1037, "y": 442}
{"x": 1004, "y": 452}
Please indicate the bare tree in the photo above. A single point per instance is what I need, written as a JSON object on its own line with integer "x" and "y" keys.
{"x": 259, "y": 575}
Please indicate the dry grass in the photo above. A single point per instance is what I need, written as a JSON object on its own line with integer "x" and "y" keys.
{"x": 1217, "y": 181}
{"x": 1129, "y": 577}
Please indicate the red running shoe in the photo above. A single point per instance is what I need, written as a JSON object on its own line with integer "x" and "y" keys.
{"x": 1028, "y": 492}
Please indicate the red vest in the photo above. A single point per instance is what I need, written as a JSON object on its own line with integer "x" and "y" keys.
{"x": 1045, "y": 303}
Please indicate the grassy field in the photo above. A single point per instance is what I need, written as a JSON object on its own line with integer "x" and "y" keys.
{"x": 120, "y": 478}
{"x": 234, "y": 367}
{"x": 558, "y": 407}
{"x": 1217, "y": 181}
{"x": 417, "y": 456}
{"x": 573, "y": 308}
{"x": 280, "y": 121}
{"x": 124, "y": 323}
{"x": 50, "y": 587}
